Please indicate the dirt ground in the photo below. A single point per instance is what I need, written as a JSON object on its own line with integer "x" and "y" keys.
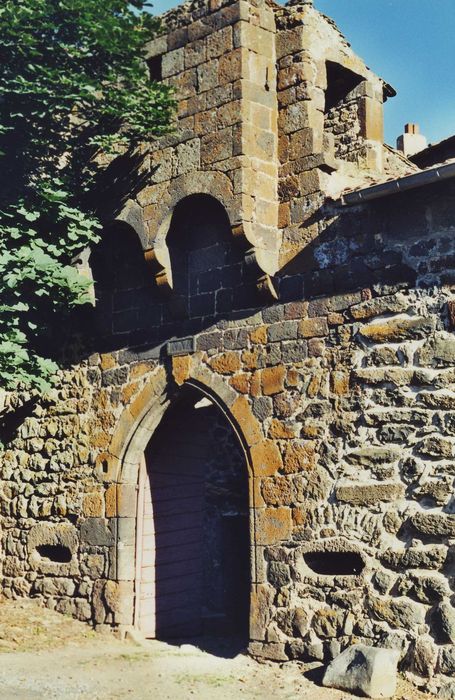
{"x": 44, "y": 655}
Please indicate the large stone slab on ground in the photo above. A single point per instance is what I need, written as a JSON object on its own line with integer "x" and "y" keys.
{"x": 369, "y": 671}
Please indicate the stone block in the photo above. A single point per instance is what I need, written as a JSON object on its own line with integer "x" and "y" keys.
{"x": 260, "y": 610}
{"x": 447, "y": 660}
{"x": 173, "y": 62}
{"x": 425, "y": 557}
{"x": 328, "y": 623}
{"x": 266, "y": 458}
{"x": 226, "y": 363}
{"x": 288, "y": 42}
{"x": 284, "y": 330}
{"x": 277, "y": 491}
{"x": 398, "y": 612}
{"x": 396, "y": 330}
{"x": 248, "y": 423}
{"x": 126, "y": 500}
{"x": 93, "y": 505}
{"x": 313, "y": 327}
{"x": 227, "y": 115}
{"x": 195, "y": 53}
{"x": 216, "y": 147}
{"x": 394, "y": 303}
{"x": 272, "y": 380}
{"x": 273, "y": 525}
{"x": 186, "y": 83}
{"x": 294, "y": 351}
{"x": 187, "y": 157}
{"x": 272, "y": 651}
{"x": 282, "y": 430}
{"x": 126, "y": 531}
{"x": 230, "y": 66}
{"x": 371, "y": 116}
{"x": 98, "y": 532}
{"x": 299, "y": 457}
{"x": 125, "y": 563}
{"x": 119, "y": 597}
{"x": 434, "y": 523}
{"x": 278, "y": 574}
{"x": 369, "y": 671}
{"x": 365, "y": 494}
{"x": 219, "y": 42}
{"x": 181, "y": 366}
{"x": 443, "y": 623}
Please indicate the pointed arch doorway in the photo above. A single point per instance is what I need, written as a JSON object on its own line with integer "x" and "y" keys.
{"x": 192, "y": 549}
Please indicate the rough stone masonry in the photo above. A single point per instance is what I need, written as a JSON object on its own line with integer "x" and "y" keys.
{"x": 322, "y": 332}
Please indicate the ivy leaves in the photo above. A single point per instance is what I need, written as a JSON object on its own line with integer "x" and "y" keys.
{"x": 73, "y": 83}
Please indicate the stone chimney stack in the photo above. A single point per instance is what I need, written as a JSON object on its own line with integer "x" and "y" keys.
{"x": 412, "y": 141}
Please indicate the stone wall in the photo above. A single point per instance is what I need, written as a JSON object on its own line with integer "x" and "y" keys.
{"x": 342, "y": 393}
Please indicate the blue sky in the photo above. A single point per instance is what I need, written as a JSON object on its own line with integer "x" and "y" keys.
{"x": 411, "y": 44}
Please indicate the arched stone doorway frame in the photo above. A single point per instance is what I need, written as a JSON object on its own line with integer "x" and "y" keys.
{"x": 135, "y": 429}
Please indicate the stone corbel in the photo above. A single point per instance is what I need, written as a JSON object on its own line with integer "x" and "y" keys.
{"x": 159, "y": 272}
{"x": 264, "y": 282}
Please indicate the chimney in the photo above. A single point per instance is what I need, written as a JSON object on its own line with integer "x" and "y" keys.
{"x": 412, "y": 141}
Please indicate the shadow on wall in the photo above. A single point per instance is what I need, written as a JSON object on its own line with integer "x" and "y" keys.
{"x": 209, "y": 279}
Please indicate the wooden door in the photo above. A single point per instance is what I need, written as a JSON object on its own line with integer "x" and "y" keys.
{"x": 192, "y": 533}
{"x": 170, "y": 534}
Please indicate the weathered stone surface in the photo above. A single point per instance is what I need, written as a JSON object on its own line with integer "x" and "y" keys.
{"x": 397, "y": 329}
{"x": 272, "y": 380}
{"x": 306, "y": 650}
{"x": 328, "y": 623}
{"x": 97, "y": 531}
{"x": 273, "y": 525}
{"x": 425, "y": 656}
{"x": 266, "y": 458}
{"x": 429, "y": 557}
{"x": 278, "y": 574}
{"x": 447, "y": 691}
{"x": 261, "y": 607}
{"x": 427, "y": 588}
{"x": 378, "y": 306}
{"x": 313, "y": 327}
{"x": 299, "y": 457}
{"x": 438, "y": 400}
{"x": 443, "y": 620}
{"x": 274, "y": 651}
{"x": 436, "y": 446}
{"x": 368, "y": 456}
{"x": 361, "y": 494}
{"x": 277, "y": 491}
{"x": 398, "y": 612}
{"x": 366, "y": 670}
{"x": 438, "y": 352}
{"x": 300, "y": 622}
{"x": 434, "y": 523}
{"x": 446, "y": 661}
{"x": 383, "y": 581}
{"x": 226, "y": 363}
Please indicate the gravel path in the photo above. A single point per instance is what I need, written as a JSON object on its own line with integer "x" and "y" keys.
{"x": 44, "y": 655}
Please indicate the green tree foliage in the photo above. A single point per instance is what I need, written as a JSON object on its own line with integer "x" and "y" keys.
{"x": 73, "y": 84}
